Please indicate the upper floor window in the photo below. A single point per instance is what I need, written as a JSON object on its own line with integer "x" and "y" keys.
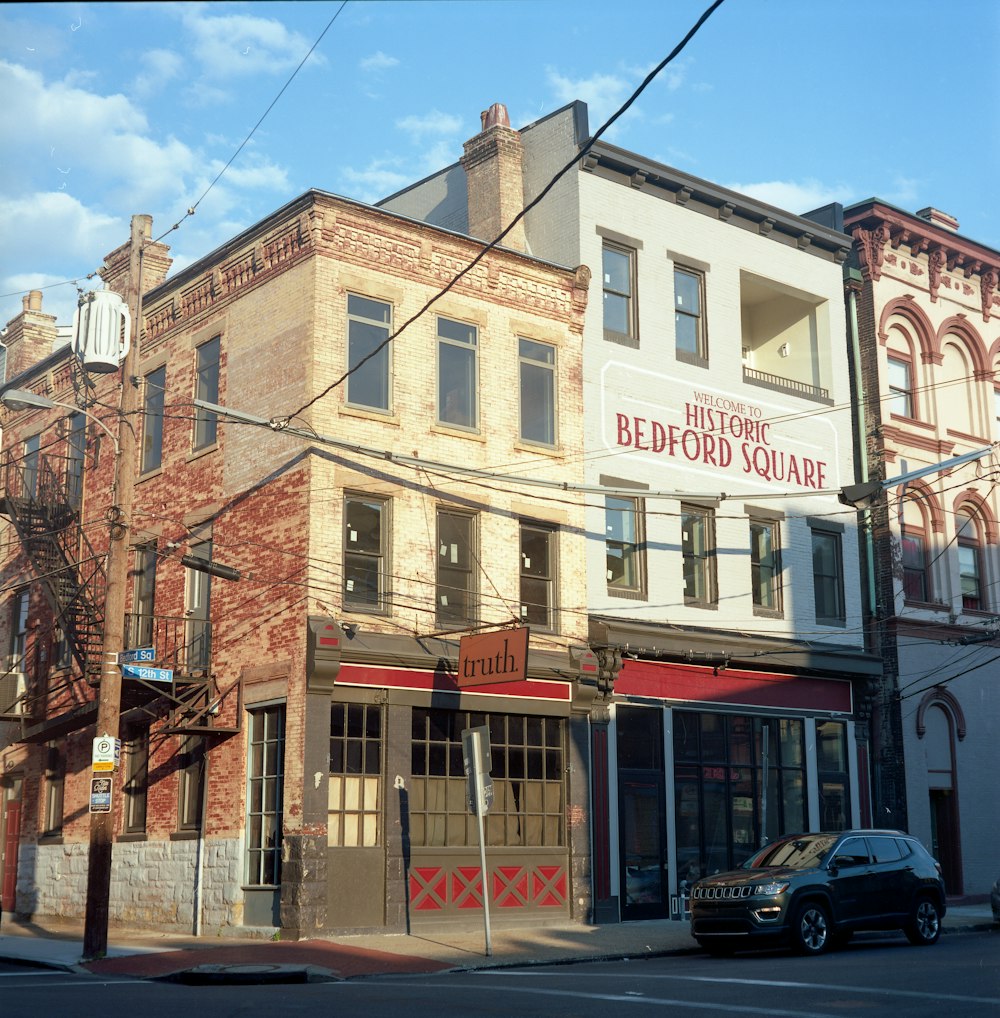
{"x": 915, "y": 545}
{"x": 369, "y": 364}
{"x": 689, "y": 319}
{"x": 366, "y": 552}
{"x": 76, "y": 445}
{"x": 30, "y": 464}
{"x": 152, "y": 421}
{"x": 458, "y": 373}
{"x": 828, "y": 577}
{"x": 455, "y": 594}
{"x": 698, "y": 555}
{"x": 623, "y": 544}
{"x": 618, "y": 275}
{"x": 765, "y": 571}
{"x": 537, "y": 362}
{"x": 538, "y": 575}
{"x": 143, "y": 595}
{"x": 970, "y": 562}
{"x": 19, "y": 629}
{"x": 900, "y": 379}
{"x": 206, "y": 388}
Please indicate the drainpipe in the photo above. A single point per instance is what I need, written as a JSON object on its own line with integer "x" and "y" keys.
{"x": 852, "y": 283}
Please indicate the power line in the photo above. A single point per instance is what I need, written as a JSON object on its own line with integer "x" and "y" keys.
{"x": 521, "y": 215}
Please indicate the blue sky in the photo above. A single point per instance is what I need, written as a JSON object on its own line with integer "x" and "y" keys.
{"x": 114, "y": 109}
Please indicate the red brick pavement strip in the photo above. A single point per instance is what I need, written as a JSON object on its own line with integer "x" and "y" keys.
{"x": 338, "y": 959}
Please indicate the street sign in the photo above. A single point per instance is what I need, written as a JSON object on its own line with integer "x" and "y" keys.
{"x": 147, "y": 674}
{"x": 100, "y": 795}
{"x": 106, "y": 753}
{"x": 136, "y": 654}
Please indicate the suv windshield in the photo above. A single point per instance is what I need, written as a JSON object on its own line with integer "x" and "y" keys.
{"x": 795, "y": 853}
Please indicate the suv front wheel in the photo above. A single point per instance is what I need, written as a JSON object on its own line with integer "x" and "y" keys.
{"x": 924, "y": 925}
{"x": 811, "y": 929}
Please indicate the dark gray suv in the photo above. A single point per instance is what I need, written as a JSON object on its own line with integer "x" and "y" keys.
{"x": 816, "y": 890}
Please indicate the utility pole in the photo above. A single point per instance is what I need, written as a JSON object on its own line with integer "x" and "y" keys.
{"x": 95, "y": 934}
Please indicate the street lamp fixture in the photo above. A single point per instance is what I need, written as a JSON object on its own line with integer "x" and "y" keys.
{"x": 24, "y": 399}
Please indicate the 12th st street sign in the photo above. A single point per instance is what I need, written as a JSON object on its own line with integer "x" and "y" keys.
{"x": 147, "y": 674}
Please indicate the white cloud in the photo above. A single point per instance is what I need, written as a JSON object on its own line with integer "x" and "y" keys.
{"x": 792, "y": 195}
{"x": 432, "y": 122}
{"x": 31, "y": 222}
{"x": 603, "y": 94}
{"x": 377, "y": 181}
{"x": 238, "y": 45}
{"x": 378, "y": 61}
{"x": 159, "y": 68}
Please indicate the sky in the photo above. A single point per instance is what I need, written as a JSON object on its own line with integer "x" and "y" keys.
{"x": 109, "y": 110}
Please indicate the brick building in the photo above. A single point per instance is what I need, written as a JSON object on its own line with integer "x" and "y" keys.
{"x": 723, "y": 586}
{"x": 302, "y": 766}
{"x": 929, "y": 341}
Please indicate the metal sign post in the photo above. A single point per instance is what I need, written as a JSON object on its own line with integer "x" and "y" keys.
{"x": 476, "y": 756}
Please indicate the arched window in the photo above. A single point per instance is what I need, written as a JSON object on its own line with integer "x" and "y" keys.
{"x": 916, "y": 552}
{"x": 970, "y": 561}
{"x": 901, "y": 375}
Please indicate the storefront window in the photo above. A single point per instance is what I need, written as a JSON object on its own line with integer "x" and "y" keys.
{"x": 719, "y": 787}
{"x": 526, "y": 767}
{"x": 834, "y": 786}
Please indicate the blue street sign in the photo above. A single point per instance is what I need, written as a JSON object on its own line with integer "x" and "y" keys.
{"x": 147, "y": 674}
{"x": 137, "y": 654}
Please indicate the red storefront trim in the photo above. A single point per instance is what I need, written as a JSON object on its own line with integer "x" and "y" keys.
{"x": 411, "y": 678}
{"x": 701, "y": 684}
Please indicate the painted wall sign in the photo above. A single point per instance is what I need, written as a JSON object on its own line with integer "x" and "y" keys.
{"x": 717, "y": 434}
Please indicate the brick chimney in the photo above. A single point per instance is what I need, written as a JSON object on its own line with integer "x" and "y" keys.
{"x": 494, "y": 179}
{"x": 155, "y": 264}
{"x": 29, "y": 336}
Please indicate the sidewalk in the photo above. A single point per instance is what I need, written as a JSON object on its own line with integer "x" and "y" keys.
{"x": 143, "y": 955}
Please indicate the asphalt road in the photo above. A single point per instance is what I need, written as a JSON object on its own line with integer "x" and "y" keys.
{"x": 957, "y": 978}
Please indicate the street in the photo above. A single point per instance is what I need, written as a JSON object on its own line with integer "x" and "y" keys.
{"x": 960, "y": 976}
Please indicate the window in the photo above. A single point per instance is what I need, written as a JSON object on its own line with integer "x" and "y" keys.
{"x": 76, "y": 444}
{"x": 538, "y": 391}
{"x": 970, "y": 563}
{"x": 369, "y": 325}
{"x": 828, "y": 578}
{"x": 206, "y": 388}
{"x": 355, "y": 775}
{"x": 191, "y": 782}
{"x": 152, "y": 427}
{"x": 618, "y": 273}
{"x": 689, "y": 320}
{"x": 834, "y": 782}
{"x": 916, "y": 569}
{"x": 198, "y": 611}
{"x": 19, "y": 630}
{"x": 538, "y": 575}
{"x": 144, "y": 595}
{"x": 698, "y": 554}
{"x": 900, "y": 379}
{"x": 265, "y": 794}
{"x": 55, "y": 779}
{"x": 135, "y": 780}
{"x": 456, "y": 578}
{"x": 366, "y": 538}
{"x": 623, "y": 546}
{"x": 30, "y": 465}
{"x": 458, "y": 374}
{"x": 527, "y": 764}
{"x": 765, "y": 572}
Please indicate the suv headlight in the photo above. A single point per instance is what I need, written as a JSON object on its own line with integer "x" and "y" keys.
{"x": 771, "y": 889}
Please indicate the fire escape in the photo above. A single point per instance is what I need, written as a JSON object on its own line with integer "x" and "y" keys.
{"x": 44, "y": 506}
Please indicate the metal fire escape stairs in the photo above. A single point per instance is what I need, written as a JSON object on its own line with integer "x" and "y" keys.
{"x": 47, "y": 520}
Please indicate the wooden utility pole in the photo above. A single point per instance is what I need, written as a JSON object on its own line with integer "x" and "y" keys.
{"x": 95, "y": 934}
